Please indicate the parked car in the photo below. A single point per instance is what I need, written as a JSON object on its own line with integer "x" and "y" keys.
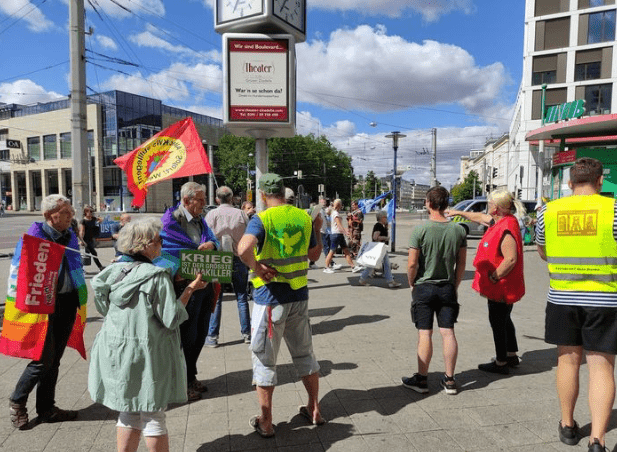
{"x": 479, "y": 204}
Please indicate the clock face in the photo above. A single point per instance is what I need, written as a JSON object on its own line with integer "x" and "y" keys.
{"x": 291, "y": 11}
{"x": 237, "y": 9}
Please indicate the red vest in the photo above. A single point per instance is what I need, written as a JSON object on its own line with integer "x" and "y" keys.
{"x": 510, "y": 288}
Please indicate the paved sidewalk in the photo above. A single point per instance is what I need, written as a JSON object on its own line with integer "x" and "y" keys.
{"x": 364, "y": 341}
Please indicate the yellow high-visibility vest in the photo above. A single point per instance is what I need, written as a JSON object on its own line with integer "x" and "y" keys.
{"x": 285, "y": 248}
{"x": 580, "y": 246}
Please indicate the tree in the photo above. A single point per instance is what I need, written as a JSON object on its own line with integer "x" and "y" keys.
{"x": 316, "y": 158}
{"x": 465, "y": 189}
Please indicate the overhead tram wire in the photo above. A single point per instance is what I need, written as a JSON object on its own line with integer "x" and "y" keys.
{"x": 21, "y": 17}
{"x": 35, "y": 71}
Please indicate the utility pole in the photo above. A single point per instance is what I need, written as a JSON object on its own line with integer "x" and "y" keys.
{"x": 211, "y": 176}
{"x": 540, "y": 173}
{"x": 261, "y": 167}
{"x": 79, "y": 135}
{"x": 434, "y": 159}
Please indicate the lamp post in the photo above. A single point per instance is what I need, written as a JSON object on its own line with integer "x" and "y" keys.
{"x": 248, "y": 178}
{"x": 395, "y": 136}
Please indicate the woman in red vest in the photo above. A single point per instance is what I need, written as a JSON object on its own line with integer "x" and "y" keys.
{"x": 499, "y": 273}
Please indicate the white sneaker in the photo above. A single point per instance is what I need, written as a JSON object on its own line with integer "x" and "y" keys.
{"x": 357, "y": 268}
{"x": 336, "y": 266}
{"x": 394, "y": 284}
{"x": 328, "y": 270}
{"x": 313, "y": 266}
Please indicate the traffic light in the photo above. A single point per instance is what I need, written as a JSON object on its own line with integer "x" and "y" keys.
{"x": 299, "y": 174}
{"x": 519, "y": 193}
{"x": 494, "y": 173}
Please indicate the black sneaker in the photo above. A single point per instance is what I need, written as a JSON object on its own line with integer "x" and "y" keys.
{"x": 418, "y": 383}
{"x": 596, "y": 446}
{"x": 495, "y": 368}
{"x": 449, "y": 385}
{"x": 513, "y": 361}
{"x": 56, "y": 414}
{"x": 569, "y": 435}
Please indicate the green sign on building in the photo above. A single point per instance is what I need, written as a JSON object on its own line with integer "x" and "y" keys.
{"x": 569, "y": 110}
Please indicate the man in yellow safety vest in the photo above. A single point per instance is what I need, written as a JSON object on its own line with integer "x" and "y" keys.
{"x": 577, "y": 236}
{"x": 277, "y": 246}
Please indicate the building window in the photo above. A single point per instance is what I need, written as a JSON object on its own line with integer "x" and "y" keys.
{"x": 587, "y": 71}
{"x": 601, "y": 27}
{"x": 582, "y": 4}
{"x": 598, "y": 99}
{"x": 556, "y": 96}
{"x": 34, "y": 148}
{"x": 50, "y": 150}
{"x": 552, "y": 34}
{"x": 550, "y": 7}
{"x": 549, "y": 69}
{"x": 65, "y": 145}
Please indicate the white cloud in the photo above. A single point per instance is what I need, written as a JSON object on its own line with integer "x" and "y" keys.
{"x": 106, "y": 42}
{"x": 26, "y": 92}
{"x": 365, "y": 69}
{"x": 374, "y": 152}
{"x": 178, "y": 82}
{"x": 430, "y": 10}
{"x": 28, "y": 12}
{"x": 151, "y": 38}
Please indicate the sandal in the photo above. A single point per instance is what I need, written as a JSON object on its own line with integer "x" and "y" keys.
{"x": 198, "y": 386}
{"x": 254, "y": 422}
{"x": 303, "y": 410}
{"x": 192, "y": 394}
{"x": 19, "y": 415}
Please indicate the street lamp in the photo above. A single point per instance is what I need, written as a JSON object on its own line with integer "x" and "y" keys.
{"x": 395, "y": 136}
{"x": 248, "y": 173}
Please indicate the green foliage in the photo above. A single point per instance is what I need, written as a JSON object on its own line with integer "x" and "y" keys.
{"x": 465, "y": 189}
{"x": 319, "y": 161}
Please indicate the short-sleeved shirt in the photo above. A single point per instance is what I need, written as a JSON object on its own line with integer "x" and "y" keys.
{"x": 571, "y": 297}
{"x": 383, "y": 230}
{"x": 91, "y": 229}
{"x": 439, "y": 244}
{"x": 275, "y": 292}
{"x": 334, "y": 229}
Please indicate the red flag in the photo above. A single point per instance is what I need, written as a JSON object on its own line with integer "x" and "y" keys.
{"x": 176, "y": 151}
{"x": 38, "y": 275}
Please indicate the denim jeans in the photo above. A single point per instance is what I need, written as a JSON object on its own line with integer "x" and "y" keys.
{"x": 504, "y": 333}
{"x": 44, "y": 372}
{"x": 325, "y": 241}
{"x": 239, "y": 280}
{"x": 387, "y": 271}
{"x": 193, "y": 331}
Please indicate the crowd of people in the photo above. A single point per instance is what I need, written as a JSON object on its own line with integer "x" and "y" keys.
{"x": 156, "y": 323}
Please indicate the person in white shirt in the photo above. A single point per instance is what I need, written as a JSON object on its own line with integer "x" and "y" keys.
{"x": 337, "y": 237}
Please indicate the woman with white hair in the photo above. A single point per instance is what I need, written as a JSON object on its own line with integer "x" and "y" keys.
{"x": 136, "y": 365}
{"x": 499, "y": 273}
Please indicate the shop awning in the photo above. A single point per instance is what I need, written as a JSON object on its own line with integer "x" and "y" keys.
{"x": 592, "y": 128}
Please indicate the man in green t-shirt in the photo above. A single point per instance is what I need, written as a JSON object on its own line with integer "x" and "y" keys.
{"x": 435, "y": 267}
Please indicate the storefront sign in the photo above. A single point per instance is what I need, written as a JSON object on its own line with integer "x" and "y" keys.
{"x": 569, "y": 110}
{"x": 561, "y": 158}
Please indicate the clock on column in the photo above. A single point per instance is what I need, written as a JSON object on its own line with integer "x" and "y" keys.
{"x": 261, "y": 16}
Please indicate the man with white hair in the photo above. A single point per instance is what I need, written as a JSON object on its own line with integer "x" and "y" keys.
{"x": 42, "y": 337}
{"x": 185, "y": 228}
{"x": 226, "y": 220}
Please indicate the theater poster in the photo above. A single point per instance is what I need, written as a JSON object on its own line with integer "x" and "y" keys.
{"x": 260, "y": 84}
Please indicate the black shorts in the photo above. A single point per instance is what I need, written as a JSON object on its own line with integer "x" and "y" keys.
{"x": 433, "y": 299}
{"x": 595, "y": 329}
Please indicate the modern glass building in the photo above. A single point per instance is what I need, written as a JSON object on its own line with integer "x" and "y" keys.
{"x": 37, "y": 140}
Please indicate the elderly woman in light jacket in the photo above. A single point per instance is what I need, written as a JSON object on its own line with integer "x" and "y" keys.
{"x": 136, "y": 364}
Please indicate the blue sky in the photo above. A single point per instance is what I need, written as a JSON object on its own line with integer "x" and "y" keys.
{"x": 406, "y": 65}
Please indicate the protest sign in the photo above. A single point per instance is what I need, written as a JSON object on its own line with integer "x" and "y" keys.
{"x": 214, "y": 266}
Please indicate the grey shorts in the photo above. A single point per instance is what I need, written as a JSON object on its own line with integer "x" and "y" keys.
{"x": 290, "y": 321}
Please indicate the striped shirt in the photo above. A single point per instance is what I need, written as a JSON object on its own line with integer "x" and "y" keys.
{"x": 572, "y": 297}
